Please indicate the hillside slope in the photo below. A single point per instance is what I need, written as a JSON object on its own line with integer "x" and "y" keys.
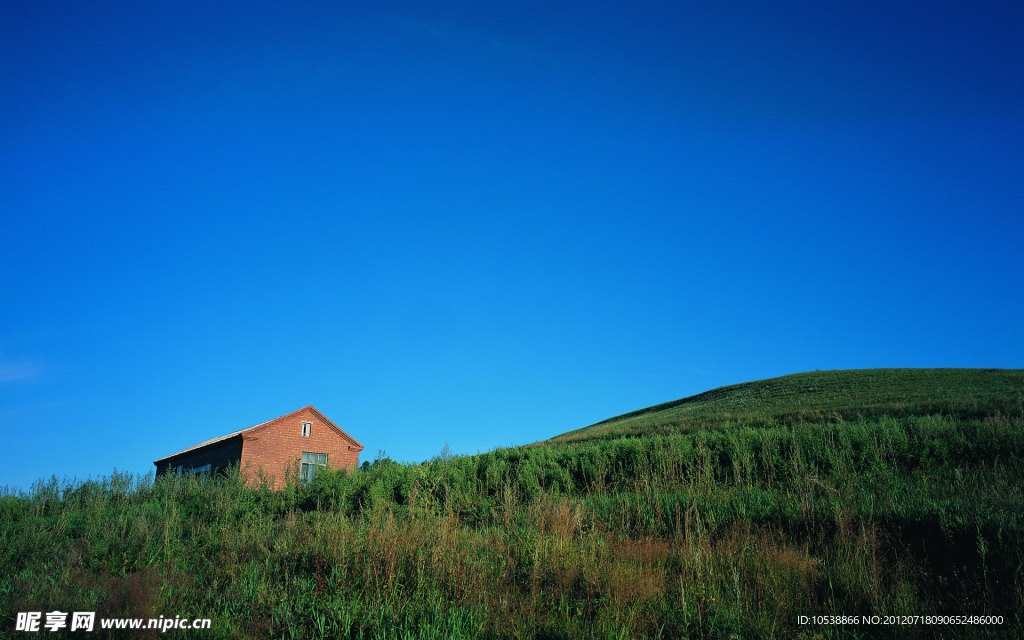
{"x": 762, "y": 503}
{"x": 823, "y": 395}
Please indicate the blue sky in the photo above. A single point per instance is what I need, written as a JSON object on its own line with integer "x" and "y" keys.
{"x": 484, "y": 224}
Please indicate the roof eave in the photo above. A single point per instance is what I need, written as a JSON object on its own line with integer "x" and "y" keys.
{"x": 195, "y": 448}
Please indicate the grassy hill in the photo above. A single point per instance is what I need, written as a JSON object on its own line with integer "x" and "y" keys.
{"x": 825, "y": 395}
{"x": 889, "y": 493}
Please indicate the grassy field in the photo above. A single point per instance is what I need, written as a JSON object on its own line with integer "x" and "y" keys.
{"x": 825, "y": 395}
{"x": 729, "y": 514}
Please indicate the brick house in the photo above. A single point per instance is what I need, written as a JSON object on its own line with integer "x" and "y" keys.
{"x": 303, "y": 439}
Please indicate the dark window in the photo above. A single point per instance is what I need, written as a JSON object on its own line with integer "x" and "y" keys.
{"x": 310, "y": 463}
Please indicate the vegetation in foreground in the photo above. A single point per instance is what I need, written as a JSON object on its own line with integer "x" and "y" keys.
{"x": 731, "y": 529}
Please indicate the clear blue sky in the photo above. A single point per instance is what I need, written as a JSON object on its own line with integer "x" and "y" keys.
{"x": 484, "y": 225}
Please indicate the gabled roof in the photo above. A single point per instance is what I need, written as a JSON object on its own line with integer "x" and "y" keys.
{"x": 251, "y": 431}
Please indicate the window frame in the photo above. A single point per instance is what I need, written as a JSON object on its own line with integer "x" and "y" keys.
{"x": 308, "y": 466}
{"x": 307, "y": 429}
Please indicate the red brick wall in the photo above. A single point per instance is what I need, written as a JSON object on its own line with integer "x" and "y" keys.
{"x": 279, "y": 446}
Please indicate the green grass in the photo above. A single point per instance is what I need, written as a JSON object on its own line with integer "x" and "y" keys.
{"x": 728, "y": 527}
{"x": 825, "y": 395}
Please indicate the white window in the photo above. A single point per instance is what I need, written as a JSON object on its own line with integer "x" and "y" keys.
{"x": 306, "y": 428}
{"x": 310, "y": 463}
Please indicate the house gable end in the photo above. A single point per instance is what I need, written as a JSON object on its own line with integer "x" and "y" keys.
{"x": 255, "y": 432}
{"x": 277, "y": 446}
{"x": 273, "y": 446}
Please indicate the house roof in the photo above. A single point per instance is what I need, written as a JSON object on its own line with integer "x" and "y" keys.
{"x": 250, "y": 431}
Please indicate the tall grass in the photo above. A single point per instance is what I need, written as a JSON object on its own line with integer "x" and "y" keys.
{"x": 716, "y": 533}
